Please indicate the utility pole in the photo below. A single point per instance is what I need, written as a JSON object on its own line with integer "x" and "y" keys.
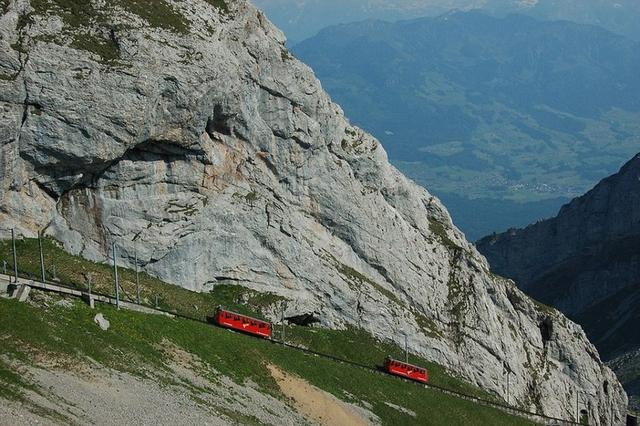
{"x": 577, "y": 405}
{"x": 41, "y": 258}
{"x": 508, "y": 399}
{"x": 406, "y": 349}
{"x": 282, "y": 321}
{"x": 115, "y": 275}
{"x": 15, "y": 256}
{"x": 135, "y": 248}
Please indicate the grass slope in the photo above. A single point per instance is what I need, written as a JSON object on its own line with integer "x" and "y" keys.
{"x": 58, "y": 333}
{"x": 355, "y": 345}
{"x": 134, "y": 344}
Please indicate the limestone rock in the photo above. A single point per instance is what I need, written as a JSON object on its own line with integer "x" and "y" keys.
{"x": 102, "y": 322}
{"x": 202, "y": 141}
{"x": 585, "y": 262}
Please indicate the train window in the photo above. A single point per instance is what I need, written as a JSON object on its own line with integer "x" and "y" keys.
{"x": 237, "y": 318}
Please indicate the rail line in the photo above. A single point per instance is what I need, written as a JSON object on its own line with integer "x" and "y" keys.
{"x": 141, "y": 307}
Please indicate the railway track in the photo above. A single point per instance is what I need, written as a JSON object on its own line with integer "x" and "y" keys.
{"x": 21, "y": 288}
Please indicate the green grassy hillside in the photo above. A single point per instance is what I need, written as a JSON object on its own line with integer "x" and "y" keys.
{"x": 134, "y": 344}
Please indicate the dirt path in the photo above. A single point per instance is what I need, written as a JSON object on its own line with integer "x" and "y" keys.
{"x": 317, "y": 404}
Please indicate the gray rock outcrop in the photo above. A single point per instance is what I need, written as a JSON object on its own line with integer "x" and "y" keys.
{"x": 189, "y": 131}
{"x": 585, "y": 262}
{"x": 584, "y": 228}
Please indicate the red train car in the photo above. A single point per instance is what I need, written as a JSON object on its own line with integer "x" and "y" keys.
{"x": 399, "y": 368}
{"x": 243, "y": 323}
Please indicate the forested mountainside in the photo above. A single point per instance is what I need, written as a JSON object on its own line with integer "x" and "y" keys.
{"x": 586, "y": 262}
{"x": 188, "y": 137}
{"x": 301, "y": 19}
{"x": 507, "y": 109}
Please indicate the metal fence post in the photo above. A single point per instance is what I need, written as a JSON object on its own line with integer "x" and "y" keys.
{"x": 41, "y": 258}
{"x": 15, "y": 256}
{"x": 115, "y": 275}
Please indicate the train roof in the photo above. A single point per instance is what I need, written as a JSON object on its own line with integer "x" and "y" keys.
{"x": 222, "y": 309}
{"x": 405, "y": 363}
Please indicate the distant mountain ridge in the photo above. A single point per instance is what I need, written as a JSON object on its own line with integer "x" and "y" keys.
{"x": 482, "y": 107}
{"x": 585, "y": 262}
{"x": 301, "y": 19}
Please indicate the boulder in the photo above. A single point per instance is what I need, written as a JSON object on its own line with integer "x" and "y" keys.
{"x": 102, "y": 322}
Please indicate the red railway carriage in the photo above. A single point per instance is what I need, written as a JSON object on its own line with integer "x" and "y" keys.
{"x": 243, "y": 323}
{"x": 399, "y": 368}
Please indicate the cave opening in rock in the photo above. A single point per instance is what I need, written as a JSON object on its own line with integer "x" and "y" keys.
{"x": 219, "y": 123}
{"x": 305, "y": 320}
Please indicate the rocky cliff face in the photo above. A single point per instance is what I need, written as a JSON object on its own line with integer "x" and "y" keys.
{"x": 585, "y": 261}
{"x": 584, "y": 256}
{"x": 188, "y": 131}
